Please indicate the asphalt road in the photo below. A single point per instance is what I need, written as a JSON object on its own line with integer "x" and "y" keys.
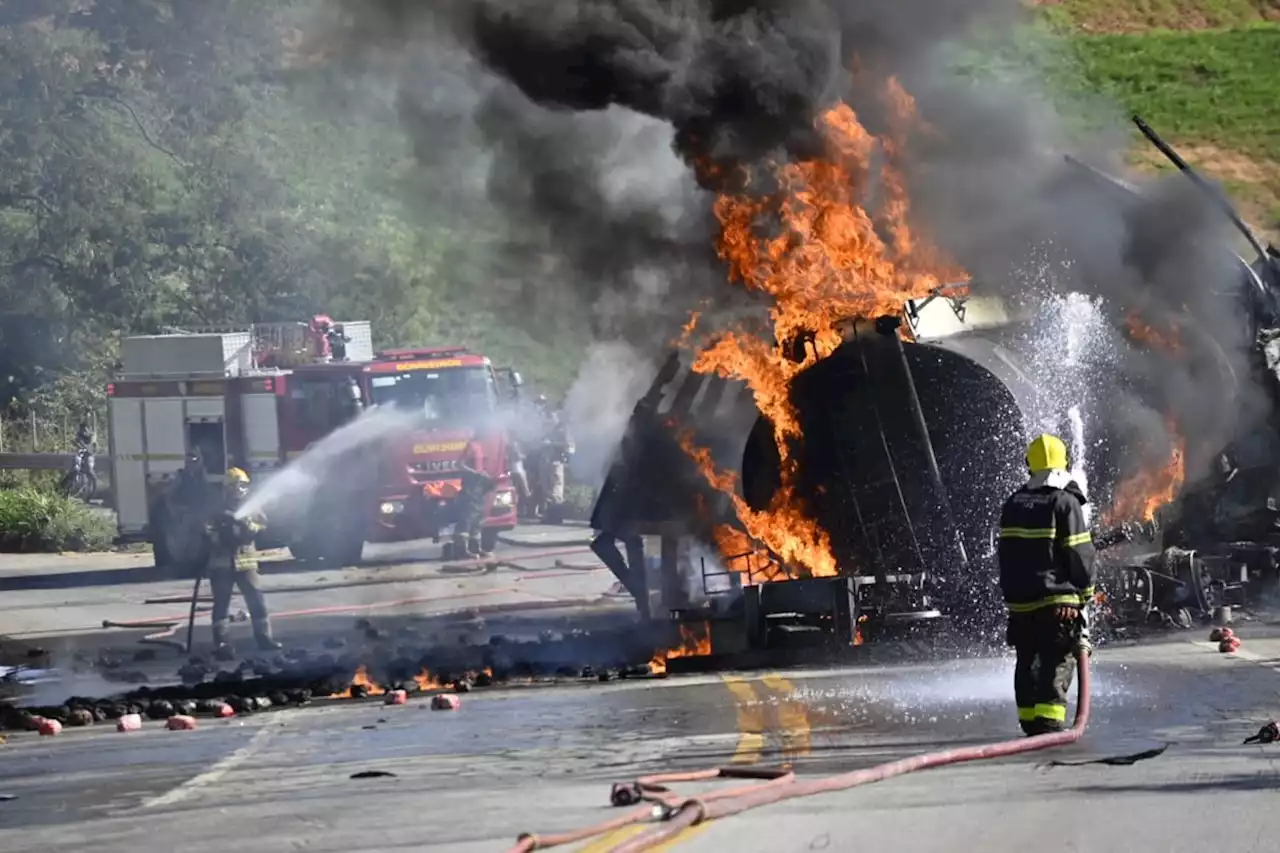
{"x": 541, "y": 759}
{"x": 47, "y": 598}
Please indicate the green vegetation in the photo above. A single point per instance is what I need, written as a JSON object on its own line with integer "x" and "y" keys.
{"x": 177, "y": 163}
{"x": 33, "y": 519}
{"x": 1204, "y": 73}
{"x": 1109, "y": 16}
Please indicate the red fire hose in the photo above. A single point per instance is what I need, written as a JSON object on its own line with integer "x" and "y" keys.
{"x": 679, "y": 814}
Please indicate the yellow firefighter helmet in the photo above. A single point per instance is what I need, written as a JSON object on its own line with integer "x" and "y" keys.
{"x": 1046, "y": 453}
{"x": 237, "y": 477}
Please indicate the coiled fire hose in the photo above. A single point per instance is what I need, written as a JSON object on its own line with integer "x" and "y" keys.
{"x": 676, "y": 814}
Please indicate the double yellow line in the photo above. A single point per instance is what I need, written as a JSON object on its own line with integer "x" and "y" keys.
{"x": 764, "y": 706}
{"x": 767, "y": 706}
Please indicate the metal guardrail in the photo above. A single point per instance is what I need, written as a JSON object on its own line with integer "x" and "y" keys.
{"x": 45, "y": 461}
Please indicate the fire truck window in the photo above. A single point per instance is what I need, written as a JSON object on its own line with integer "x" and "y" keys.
{"x": 312, "y": 403}
{"x": 441, "y": 396}
{"x": 210, "y": 440}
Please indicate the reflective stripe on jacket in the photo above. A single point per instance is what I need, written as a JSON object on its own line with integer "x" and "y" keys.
{"x": 1046, "y": 552}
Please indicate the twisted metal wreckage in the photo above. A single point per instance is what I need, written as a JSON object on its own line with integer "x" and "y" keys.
{"x": 909, "y": 450}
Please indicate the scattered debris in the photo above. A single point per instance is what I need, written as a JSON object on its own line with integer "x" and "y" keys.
{"x": 5, "y": 798}
{"x": 80, "y": 717}
{"x": 1217, "y": 635}
{"x": 1113, "y": 760}
{"x": 396, "y": 697}
{"x": 48, "y": 728}
{"x": 129, "y": 723}
{"x": 1230, "y": 644}
{"x": 445, "y": 702}
{"x": 160, "y": 710}
{"x": 373, "y": 774}
{"x": 1270, "y": 733}
{"x": 180, "y": 723}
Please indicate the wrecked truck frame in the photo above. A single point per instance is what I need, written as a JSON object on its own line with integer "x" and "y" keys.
{"x": 655, "y": 510}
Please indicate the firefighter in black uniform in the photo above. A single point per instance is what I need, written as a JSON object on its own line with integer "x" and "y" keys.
{"x": 1046, "y": 574}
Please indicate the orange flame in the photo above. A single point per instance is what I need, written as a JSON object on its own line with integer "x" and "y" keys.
{"x": 695, "y": 641}
{"x": 1139, "y": 497}
{"x": 825, "y": 264}
{"x": 1143, "y": 332}
{"x": 427, "y": 681}
{"x": 361, "y": 679}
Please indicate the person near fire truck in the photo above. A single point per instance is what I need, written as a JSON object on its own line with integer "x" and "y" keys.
{"x": 516, "y": 457}
{"x": 557, "y": 449}
{"x": 1046, "y": 557}
{"x": 233, "y": 564}
{"x": 190, "y": 488}
{"x": 476, "y": 484}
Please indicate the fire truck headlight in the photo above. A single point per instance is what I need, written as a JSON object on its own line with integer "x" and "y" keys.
{"x": 504, "y": 499}
{"x": 391, "y": 508}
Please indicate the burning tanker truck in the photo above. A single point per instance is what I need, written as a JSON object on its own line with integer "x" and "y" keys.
{"x": 825, "y": 486}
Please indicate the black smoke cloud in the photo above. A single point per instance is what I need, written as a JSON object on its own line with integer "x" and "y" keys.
{"x": 738, "y": 80}
{"x": 604, "y": 122}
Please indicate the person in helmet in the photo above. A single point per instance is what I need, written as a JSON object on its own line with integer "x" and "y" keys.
{"x": 476, "y": 483}
{"x": 190, "y": 488}
{"x": 233, "y": 564}
{"x": 1046, "y": 557}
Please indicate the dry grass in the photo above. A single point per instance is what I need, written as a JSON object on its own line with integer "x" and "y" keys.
{"x": 1136, "y": 16}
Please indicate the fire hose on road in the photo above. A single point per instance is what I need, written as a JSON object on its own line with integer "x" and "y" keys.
{"x": 677, "y": 814}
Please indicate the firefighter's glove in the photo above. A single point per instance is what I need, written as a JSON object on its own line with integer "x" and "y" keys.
{"x": 1270, "y": 733}
{"x": 1067, "y": 615}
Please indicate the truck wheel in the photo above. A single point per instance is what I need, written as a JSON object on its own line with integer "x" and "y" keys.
{"x": 347, "y": 553}
{"x": 488, "y": 539}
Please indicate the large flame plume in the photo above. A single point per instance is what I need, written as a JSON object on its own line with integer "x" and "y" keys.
{"x": 813, "y": 247}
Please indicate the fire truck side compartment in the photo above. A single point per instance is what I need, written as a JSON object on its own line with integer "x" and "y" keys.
{"x": 127, "y": 447}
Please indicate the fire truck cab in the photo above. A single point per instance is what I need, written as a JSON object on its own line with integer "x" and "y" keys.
{"x": 458, "y": 397}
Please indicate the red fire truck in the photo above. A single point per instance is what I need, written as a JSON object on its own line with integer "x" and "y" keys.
{"x": 257, "y": 397}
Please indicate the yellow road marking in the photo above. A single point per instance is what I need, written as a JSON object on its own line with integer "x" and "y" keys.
{"x": 612, "y": 838}
{"x": 751, "y": 721}
{"x": 683, "y": 836}
{"x": 793, "y": 717}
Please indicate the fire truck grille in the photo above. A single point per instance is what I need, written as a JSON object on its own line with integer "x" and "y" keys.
{"x": 434, "y": 466}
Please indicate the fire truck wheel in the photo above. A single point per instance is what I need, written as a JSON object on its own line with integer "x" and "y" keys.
{"x": 346, "y": 553}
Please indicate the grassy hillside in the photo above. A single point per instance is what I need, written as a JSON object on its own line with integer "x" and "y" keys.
{"x": 1205, "y": 73}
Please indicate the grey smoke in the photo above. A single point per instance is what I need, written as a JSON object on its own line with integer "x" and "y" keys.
{"x": 596, "y": 122}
